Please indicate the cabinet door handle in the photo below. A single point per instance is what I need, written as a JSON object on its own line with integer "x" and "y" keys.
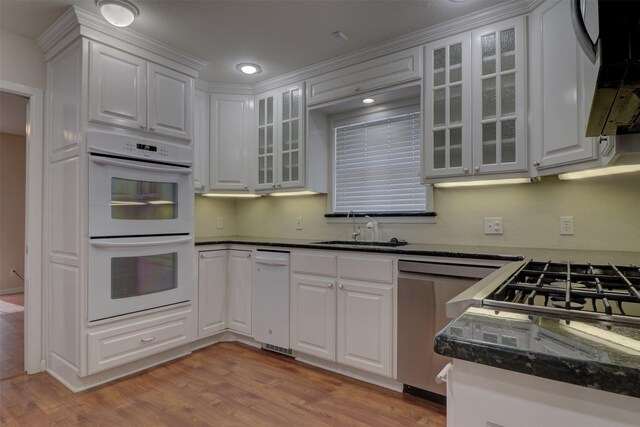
{"x": 356, "y": 89}
{"x": 143, "y": 126}
{"x": 152, "y": 129}
{"x": 442, "y": 376}
{"x": 147, "y": 340}
{"x": 477, "y": 169}
{"x": 340, "y": 286}
{"x": 465, "y": 170}
{"x": 536, "y": 163}
{"x": 329, "y": 285}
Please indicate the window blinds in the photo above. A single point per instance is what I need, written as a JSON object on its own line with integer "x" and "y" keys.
{"x": 377, "y": 165}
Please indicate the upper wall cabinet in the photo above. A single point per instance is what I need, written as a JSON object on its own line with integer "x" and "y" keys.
{"x": 377, "y": 73}
{"x": 562, "y": 82}
{"x": 280, "y": 148}
{"x": 201, "y": 141}
{"x": 231, "y": 130}
{"x": 475, "y": 104}
{"x": 129, "y": 92}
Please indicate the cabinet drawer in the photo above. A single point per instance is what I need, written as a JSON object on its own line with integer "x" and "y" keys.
{"x": 374, "y": 74}
{"x": 318, "y": 265}
{"x": 367, "y": 269}
{"x": 129, "y": 342}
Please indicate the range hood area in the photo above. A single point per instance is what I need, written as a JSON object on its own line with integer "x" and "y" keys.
{"x": 615, "y": 109}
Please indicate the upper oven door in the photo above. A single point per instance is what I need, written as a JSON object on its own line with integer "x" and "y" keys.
{"x": 128, "y": 197}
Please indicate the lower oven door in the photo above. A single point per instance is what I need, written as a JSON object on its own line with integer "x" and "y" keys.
{"x": 132, "y": 274}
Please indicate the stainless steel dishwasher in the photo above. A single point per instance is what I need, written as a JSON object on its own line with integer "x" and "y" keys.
{"x": 423, "y": 290}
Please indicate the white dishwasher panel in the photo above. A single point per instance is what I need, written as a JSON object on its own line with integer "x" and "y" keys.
{"x": 271, "y": 298}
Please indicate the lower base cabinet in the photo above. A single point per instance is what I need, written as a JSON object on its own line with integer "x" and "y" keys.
{"x": 224, "y": 291}
{"x": 336, "y": 317}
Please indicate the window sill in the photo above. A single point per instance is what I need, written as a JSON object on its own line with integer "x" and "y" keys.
{"x": 385, "y": 217}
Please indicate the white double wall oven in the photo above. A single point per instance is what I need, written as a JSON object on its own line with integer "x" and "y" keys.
{"x": 140, "y": 224}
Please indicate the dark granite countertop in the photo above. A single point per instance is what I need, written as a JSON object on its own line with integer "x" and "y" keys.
{"x": 592, "y": 354}
{"x": 410, "y": 249}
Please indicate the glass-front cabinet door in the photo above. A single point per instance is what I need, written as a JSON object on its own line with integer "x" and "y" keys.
{"x": 498, "y": 98}
{"x": 280, "y": 139}
{"x": 266, "y": 146}
{"x": 448, "y": 107}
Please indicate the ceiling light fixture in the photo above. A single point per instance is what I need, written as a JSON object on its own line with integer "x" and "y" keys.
{"x": 120, "y": 13}
{"x": 368, "y": 101}
{"x": 339, "y": 37}
{"x": 249, "y": 68}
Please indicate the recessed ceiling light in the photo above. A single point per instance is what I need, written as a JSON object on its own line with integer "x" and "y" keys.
{"x": 120, "y": 13}
{"x": 248, "y": 68}
{"x": 368, "y": 101}
{"x": 339, "y": 37}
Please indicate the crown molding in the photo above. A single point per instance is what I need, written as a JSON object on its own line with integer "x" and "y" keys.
{"x": 229, "y": 89}
{"x": 468, "y": 22}
{"x": 77, "y": 22}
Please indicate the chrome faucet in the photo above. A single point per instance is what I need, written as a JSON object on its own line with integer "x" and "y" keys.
{"x": 354, "y": 234}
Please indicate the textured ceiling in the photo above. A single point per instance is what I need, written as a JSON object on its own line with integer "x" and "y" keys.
{"x": 282, "y": 36}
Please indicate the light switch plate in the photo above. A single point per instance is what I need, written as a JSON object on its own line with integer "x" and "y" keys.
{"x": 298, "y": 223}
{"x": 493, "y": 225}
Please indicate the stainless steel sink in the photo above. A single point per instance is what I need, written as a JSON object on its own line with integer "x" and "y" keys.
{"x": 391, "y": 243}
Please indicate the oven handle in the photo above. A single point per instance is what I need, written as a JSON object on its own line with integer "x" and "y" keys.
{"x": 112, "y": 162}
{"x": 117, "y": 244}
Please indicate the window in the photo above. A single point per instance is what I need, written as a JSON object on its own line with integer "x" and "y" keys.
{"x": 377, "y": 163}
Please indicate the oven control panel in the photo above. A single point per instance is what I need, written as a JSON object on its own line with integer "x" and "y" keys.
{"x": 139, "y": 148}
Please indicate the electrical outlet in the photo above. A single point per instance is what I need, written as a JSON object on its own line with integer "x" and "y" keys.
{"x": 566, "y": 226}
{"x": 298, "y": 223}
{"x": 493, "y": 225}
{"x": 220, "y": 223}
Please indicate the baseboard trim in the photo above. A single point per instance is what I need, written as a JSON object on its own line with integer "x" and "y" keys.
{"x": 9, "y": 291}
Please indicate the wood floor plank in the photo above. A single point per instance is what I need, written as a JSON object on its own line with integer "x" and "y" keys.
{"x": 228, "y": 384}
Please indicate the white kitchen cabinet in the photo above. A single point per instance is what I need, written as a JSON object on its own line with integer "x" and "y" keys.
{"x": 117, "y": 88}
{"x": 386, "y": 71}
{"x": 129, "y": 92}
{"x": 475, "y": 104}
{"x": 125, "y": 342}
{"x": 239, "y": 291}
{"x": 448, "y": 136}
{"x": 342, "y": 309}
{"x": 313, "y": 316}
{"x": 481, "y": 396}
{"x": 231, "y": 128}
{"x": 201, "y": 142}
{"x": 562, "y": 85}
{"x": 499, "y": 98}
{"x": 224, "y": 292}
{"x": 280, "y": 148}
{"x": 212, "y": 292}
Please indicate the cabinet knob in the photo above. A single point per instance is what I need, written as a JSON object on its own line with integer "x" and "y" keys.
{"x": 246, "y": 187}
{"x": 340, "y": 286}
{"x": 477, "y": 169}
{"x": 273, "y": 185}
{"x": 279, "y": 185}
{"x": 465, "y": 170}
{"x": 329, "y": 285}
{"x": 143, "y": 127}
{"x": 356, "y": 89}
{"x": 603, "y": 139}
{"x": 536, "y": 164}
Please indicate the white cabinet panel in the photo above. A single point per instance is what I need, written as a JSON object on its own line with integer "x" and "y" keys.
{"x": 170, "y": 98}
{"x": 313, "y": 316}
{"x": 231, "y": 119}
{"x": 364, "y": 334}
{"x": 373, "y": 74}
{"x": 212, "y": 292}
{"x": 240, "y": 285}
{"x": 117, "y": 88}
{"x": 316, "y": 264}
{"x": 201, "y": 142}
{"x": 370, "y": 269}
{"x": 562, "y": 83}
{"x": 114, "y": 346}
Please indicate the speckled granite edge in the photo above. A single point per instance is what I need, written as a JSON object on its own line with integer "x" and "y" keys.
{"x": 377, "y": 249}
{"x": 591, "y": 374}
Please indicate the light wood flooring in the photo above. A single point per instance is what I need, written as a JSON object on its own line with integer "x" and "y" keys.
{"x": 12, "y": 339}
{"x": 226, "y": 384}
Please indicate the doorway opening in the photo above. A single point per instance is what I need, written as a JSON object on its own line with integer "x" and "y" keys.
{"x": 13, "y": 158}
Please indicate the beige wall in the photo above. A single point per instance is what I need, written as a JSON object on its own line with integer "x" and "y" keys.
{"x": 207, "y": 211}
{"x": 12, "y": 210}
{"x": 21, "y": 60}
{"x": 606, "y": 215}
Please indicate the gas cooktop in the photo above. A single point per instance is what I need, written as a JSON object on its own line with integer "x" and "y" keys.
{"x": 604, "y": 292}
